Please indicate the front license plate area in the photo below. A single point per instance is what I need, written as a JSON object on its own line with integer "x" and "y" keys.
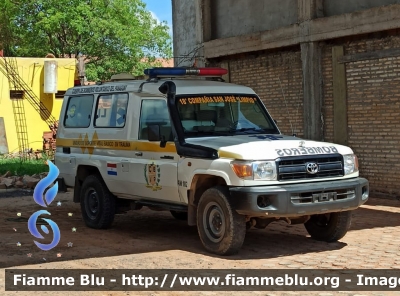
{"x": 327, "y": 196}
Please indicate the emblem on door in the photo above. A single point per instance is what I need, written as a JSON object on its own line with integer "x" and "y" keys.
{"x": 152, "y": 175}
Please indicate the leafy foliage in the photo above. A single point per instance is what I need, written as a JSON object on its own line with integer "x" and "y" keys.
{"x": 114, "y": 36}
{"x": 20, "y": 168}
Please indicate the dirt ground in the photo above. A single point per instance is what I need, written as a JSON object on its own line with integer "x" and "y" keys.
{"x": 153, "y": 240}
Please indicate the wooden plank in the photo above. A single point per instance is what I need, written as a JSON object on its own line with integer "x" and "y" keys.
{"x": 374, "y": 55}
{"x": 340, "y": 135}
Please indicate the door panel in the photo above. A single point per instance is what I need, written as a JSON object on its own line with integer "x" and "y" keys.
{"x": 155, "y": 171}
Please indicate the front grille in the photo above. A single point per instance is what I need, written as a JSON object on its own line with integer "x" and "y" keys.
{"x": 326, "y": 196}
{"x": 294, "y": 168}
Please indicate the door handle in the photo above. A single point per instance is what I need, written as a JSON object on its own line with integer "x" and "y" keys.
{"x": 138, "y": 153}
{"x": 167, "y": 157}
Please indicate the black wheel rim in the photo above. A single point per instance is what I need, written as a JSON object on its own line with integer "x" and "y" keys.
{"x": 92, "y": 204}
{"x": 214, "y": 222}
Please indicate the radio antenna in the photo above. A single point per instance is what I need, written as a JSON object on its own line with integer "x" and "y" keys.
{"x": 287, "y": 108}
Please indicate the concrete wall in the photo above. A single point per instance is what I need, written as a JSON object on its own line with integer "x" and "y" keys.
{"x": 32, "y": 71}
{"x": 334, "y": 7}
{"x": 240, "y": 17}
{"x": 228, "y": 18}
{"x": 184, "y": 29}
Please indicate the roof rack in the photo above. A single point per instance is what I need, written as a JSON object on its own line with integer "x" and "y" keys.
{"x": 181, "y": 71}
{"x": 147, "y": 81}
{"x": 122, "y": 76}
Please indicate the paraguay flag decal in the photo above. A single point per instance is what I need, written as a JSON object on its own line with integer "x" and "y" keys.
{"x": 112, "y": 169}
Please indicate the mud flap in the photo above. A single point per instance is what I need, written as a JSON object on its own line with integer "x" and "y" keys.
{"x": 61, "y": 185}
{"x": 77, "y": 190}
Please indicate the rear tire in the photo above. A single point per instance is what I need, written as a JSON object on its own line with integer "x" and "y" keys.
{"x": 221, "y": 229}
{"x": 97, "y": 203}
{"x": 329, "y": 227}
{"x": 183, "y": 216}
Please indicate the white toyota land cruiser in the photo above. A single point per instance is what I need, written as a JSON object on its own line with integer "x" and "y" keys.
{"x": 206, "y": 150}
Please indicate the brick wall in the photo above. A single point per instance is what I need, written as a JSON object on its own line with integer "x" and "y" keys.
{"x": 373, "y": 104}
{"x": 373, "y": 90}
{"x": 265, "y": 74}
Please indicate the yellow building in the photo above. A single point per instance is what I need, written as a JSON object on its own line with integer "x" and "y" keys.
{"x": 33, "y": 84}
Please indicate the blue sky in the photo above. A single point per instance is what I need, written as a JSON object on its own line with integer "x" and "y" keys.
{"x": 161, "y": 9}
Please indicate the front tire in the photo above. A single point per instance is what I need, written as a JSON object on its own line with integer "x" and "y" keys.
{"x": 97, "y": 203}
{"x": 221, "y": 229}
{"x": 329, "y": 227}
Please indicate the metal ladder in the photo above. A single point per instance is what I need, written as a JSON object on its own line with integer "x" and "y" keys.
{"x": 18, "y": 110}
{"x": 20, "y": 125}
{"x": 8, "y": 66}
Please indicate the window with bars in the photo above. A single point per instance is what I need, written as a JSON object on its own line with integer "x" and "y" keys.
{"x": 16, "y": 94}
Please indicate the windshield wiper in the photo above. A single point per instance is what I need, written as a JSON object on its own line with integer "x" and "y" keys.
{"x": 199, "y": 133}
{"x": 248, "y": 129}
{"x": 232, "y": 131}
{"x": 245, "y": 129}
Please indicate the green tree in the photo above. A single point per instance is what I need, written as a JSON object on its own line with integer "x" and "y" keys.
{"x": 7, "y": 28}
{"x": 114, "y": 36}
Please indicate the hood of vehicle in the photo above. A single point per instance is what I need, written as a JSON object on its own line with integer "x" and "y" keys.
{"x": 266, "y": 147}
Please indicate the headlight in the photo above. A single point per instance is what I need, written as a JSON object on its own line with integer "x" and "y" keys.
{"x": 350, "y": 164}
{"x": 262, "y": 170}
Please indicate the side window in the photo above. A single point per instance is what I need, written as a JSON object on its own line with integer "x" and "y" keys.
{"x": 155, "y": 112}
{"x": 111, "y": 110}
{"x": 79, "y": 111}
{"x": 121, "y": 106}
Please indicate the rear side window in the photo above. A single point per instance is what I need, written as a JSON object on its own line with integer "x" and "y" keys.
{"x": 111, "y": 110}
{"x": 79, "y": 111}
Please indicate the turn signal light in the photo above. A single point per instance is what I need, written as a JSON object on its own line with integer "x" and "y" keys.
{"x": 242, "y": 170}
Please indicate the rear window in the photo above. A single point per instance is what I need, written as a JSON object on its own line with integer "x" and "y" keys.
{"x": 79, "y": 111}
{"x": 111, "y": 110}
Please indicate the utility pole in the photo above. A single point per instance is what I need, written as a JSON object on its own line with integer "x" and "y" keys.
{"x": 81, "y": 69}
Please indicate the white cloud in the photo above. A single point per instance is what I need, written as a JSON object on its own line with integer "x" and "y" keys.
{"x": 154, "y": 16}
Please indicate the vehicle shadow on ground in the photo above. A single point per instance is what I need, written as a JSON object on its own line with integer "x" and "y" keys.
{"x": 146, "y": 231}
{"x": 143, "y": 231}
{"x": 374, "y": 215}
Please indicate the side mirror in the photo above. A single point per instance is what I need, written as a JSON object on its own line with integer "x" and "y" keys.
{"x": 153, "y": 133}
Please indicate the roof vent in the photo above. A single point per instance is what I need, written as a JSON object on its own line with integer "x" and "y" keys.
{"x": 122, "y": 76}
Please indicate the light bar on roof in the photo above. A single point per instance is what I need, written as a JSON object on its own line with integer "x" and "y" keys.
{"x": 176, "y": 71}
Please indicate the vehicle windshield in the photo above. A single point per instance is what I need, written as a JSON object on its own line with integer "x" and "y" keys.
{"x": 205, "y": 115}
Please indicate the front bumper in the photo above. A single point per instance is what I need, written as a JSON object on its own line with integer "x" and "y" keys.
{"x": 300, "y": 199}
